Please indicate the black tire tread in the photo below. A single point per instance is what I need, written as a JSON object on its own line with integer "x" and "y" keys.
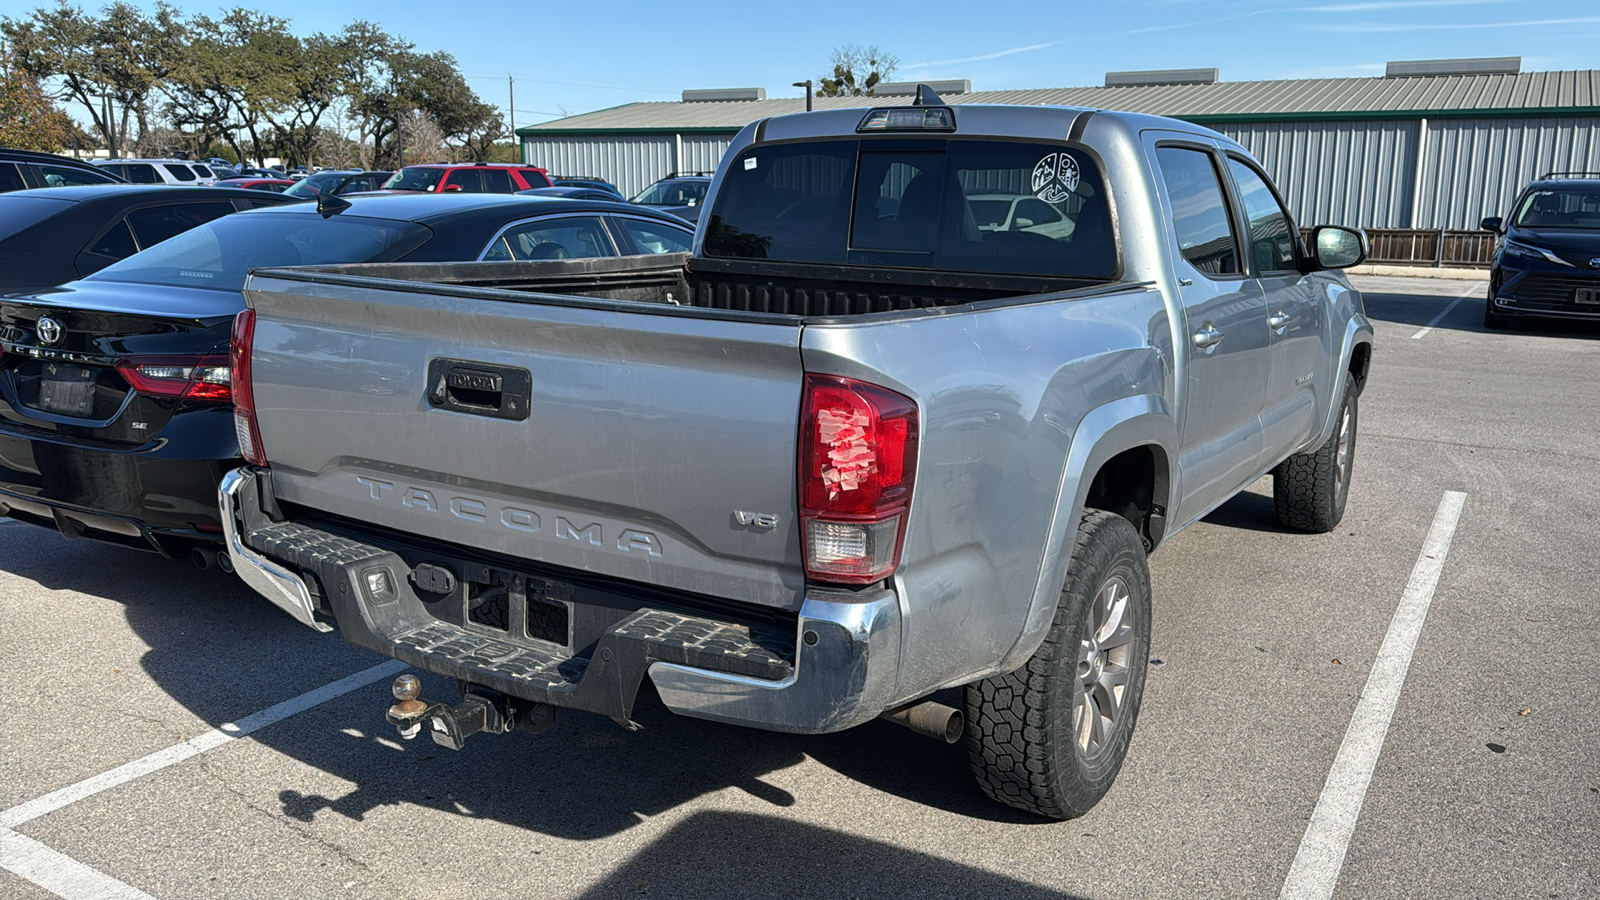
{"x": 1014, "y": 720}
{"x": 1303, "y": 493}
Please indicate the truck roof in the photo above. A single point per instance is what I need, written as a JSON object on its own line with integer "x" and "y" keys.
{"x": 974, "y": 120}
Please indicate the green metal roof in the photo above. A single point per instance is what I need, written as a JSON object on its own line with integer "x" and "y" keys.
{"x": 1433, "y": 96}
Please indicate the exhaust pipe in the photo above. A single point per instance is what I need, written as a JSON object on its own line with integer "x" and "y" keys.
{"x": 202, "y": 559}
{"x": 224, "y": 562}
{"x": 930, "y": 719}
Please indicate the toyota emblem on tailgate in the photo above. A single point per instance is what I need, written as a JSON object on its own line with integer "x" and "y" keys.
{"x": 50, "y": 331}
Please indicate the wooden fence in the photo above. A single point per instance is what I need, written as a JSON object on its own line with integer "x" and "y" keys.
{"x": 1429, "y": 247}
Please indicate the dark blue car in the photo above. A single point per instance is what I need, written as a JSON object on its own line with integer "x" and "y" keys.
{"x": 1547, "y": 264}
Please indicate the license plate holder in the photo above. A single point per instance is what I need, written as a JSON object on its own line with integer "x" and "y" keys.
{"x": 1587, "y": 296}
{"x": 67, "y": 390}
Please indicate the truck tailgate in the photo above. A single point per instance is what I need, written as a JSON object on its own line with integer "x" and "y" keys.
{"x": 626, "y": 443}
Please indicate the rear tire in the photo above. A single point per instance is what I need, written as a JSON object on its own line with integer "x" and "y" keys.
{"x": 1309, "y": 490}
{"x": 1050, "y": 737}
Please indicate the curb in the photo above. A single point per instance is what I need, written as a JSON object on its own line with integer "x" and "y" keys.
{"x": 1421, "y": 272}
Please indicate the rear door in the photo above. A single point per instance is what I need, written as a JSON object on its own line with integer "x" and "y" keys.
{"x": 591, "y": 436}
{"x": 1297, "y": 317}
{"x": 1225, "y": 342}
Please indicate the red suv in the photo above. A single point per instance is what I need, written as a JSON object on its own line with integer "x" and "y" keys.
{"x": 471, "y": 178}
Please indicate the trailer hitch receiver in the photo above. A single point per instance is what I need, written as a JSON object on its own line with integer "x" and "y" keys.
{"x": 480, "y": 710}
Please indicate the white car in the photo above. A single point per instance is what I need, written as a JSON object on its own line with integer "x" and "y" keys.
{"x": 160, "y": 171}
{"x": 1018, "y": 212}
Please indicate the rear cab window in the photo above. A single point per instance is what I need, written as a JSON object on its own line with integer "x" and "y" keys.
{"x": 918, "y": 203}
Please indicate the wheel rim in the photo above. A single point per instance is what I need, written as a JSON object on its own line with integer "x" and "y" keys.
{"x": 1103, "y": 658}
{"x": 1341, "y": 461}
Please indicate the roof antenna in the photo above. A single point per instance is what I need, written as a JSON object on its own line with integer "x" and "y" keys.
{"x": 926, "y": 97}
{"x": 329, "y": 205}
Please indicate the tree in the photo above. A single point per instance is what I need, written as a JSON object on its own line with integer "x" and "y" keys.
{"x": 232, "y": 74}
{"x": 316, "y": 83}
{"x": 857, "y": 71}
{"x": 29, "y": 120}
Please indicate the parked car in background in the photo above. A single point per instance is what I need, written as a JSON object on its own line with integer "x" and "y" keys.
{"x": 681, "y": 193}
{"x": 1547, "y": 262}
{"x": 588, "y": 181}
{"x": 159, "y": 171}
{"x": 334, "y": 182}
{"x": 24, "y": 169}
{"x": 275, "y": 185}
{"x": 115, "y": 390}
{"x": 1018, "y": 212}
{"x": 50, "y": 236}
{"x": 573, "y": 193}
{"x": 470, "y": 178}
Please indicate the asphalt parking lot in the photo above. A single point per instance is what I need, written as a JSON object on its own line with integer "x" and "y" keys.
{"x": 144, "y": 752}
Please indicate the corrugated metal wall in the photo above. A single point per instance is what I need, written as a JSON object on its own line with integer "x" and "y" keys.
{"x": 631, "y": 162}
{"x": 1338, "y": 173}
{"x": 1361, "y": 173}
{"x": 1476, "y": 167}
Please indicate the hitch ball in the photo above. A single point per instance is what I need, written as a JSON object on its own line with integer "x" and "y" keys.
{"x": 407, "y": 714}
{"x": 407, "y": 687}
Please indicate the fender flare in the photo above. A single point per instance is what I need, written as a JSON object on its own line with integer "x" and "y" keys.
{"x": 1139, "y": 420}
{"x": 1358, "y": 330}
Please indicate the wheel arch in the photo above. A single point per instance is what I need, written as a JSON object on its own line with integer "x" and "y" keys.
{"x": 1131, "y": 438}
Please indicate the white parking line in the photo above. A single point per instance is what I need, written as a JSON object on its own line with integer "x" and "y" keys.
{"x": 59, "y": 873}
{"x": 1316, "y": 865}
{"x": 1445, "y": 312}
{"x": 65, "y": 876}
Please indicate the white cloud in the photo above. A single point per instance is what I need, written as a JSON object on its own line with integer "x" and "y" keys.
{"x": 968, "y": 59}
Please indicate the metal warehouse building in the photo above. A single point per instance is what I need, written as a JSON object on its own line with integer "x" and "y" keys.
{"x": 1430, "y": 145}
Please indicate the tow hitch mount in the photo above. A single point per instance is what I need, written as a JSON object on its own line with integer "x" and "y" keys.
{"x": 480, "y": 709}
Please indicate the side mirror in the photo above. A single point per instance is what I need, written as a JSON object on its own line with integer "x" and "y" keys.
{"x": 449, "y": 188}
{"x": 1492, "y": 223}
{"x": 1337, "y": 247}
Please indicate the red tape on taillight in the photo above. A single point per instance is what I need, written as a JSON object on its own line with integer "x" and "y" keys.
{"x": 858, "y": 458}
{"x": 244, "y": 398}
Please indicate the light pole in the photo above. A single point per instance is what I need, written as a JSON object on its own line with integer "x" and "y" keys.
{"x": 807, "y": 85}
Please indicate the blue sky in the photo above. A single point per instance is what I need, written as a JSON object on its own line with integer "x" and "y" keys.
{"x": 573, "y": 58}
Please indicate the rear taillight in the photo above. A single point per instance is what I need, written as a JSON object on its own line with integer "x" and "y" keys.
{"x": 244, "y": 399}
{"x": 858, "y": 454}
{"x": 189, "y": 378}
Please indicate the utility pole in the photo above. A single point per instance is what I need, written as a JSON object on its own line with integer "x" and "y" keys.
{"x": 511, "y": 107}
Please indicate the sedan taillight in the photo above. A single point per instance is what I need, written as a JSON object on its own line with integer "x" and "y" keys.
{"x": 188, "y": 378}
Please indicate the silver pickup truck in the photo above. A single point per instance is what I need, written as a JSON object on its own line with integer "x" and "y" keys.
{"x": 931, "y": 386}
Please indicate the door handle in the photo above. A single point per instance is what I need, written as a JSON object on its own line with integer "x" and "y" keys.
{"x": 1208, "y": 337}
{"x": 1278, "y": 320}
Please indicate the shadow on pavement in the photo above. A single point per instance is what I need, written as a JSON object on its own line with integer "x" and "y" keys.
{"x": 1248, "y": 511}
{"x": 715, "y": 855}
{"x": 222, "y": 652}
{"x": 1419, "y": 309}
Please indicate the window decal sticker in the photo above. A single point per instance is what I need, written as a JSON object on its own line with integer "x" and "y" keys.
{"x": 749, "y": 163}
{"x": 1055, "y": 177}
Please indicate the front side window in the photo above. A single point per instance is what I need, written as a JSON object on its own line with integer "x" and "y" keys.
{"x": 414, "y": 178}
{"x": 564, "y": 237}
{"x": 467, "y": 181}
{"x": 1272, "y": 233}
{"x": 179, "y": 171}
{"x": 1199, "y": 214}
{"x": 10, "y": 178}
{"x": 918, "y": 203}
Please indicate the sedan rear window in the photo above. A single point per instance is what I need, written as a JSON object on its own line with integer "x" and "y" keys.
{"x": 995, "y": 207}
{"x": 220, "y": 254}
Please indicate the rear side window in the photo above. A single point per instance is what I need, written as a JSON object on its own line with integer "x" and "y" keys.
{"x": 1199, "y": 214}
{"x": 535, "y": 178}
{"x": 179, "y": 171}
{"x": 563, "y": 237}
{"x": 10, "y": 178}
{"x": 654, "y": 237}
{"x": 1272, "y": 234}
{"x": 64, "y": 176}
{"x": 158, "y": 223}
{"x": 117, "y": 242}
{"x": 139, "y": 173}
{"x": 497, "y": 181}
{"x": 918, "y": 203}
{"x": 203, "y": 171}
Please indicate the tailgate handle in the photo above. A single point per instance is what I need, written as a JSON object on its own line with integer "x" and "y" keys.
{"x": 479, "y": 389}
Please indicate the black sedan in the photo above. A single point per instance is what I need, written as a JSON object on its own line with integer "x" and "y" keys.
{"x": 1548, "y": 262}
{"x": 49, "y": 236}
{"x": 115, "y": 391}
